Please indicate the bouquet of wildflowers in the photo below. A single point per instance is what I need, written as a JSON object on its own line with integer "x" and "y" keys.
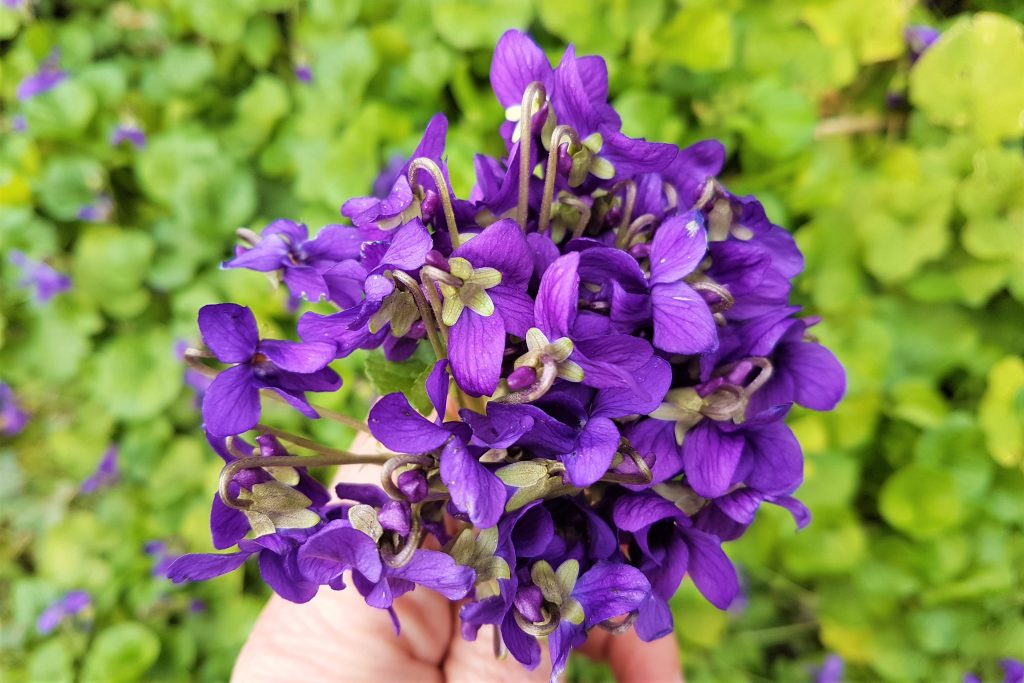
{"x": 615, "y": 357}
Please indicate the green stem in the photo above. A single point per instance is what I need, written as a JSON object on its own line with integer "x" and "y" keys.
{"x": 428, "y": 165}
{"x": 549, "y": 174}
{"x": 426, "y": 312}
{"x": 535, "y": 91}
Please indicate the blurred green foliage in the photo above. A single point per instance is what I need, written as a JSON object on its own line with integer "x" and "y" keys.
{"x": 911, "y": 218}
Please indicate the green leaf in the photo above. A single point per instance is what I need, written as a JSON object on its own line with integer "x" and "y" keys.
{"x": 468, "y": 24}
{"x": 700, "y": 39}
{"x": 964, "y": 80}
{"x": 121, "y": 654}
{"x": 110, "y": 264}
{"x": 407, "y": 377}
{"x": 137, "y": 374}
{"x": 1001, "y": 412}
{"x": 51, "y": 662}
{"x": 922, "y": 501}
{"x": 68, "y": 184}
{"x": 62, "y": 113}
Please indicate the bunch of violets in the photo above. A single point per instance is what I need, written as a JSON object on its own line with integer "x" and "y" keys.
{"x": 616, "y": 355}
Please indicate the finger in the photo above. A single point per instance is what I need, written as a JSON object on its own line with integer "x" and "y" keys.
{"x": 474, "y": 661}
{"x": 337, "y": 637}
{"x": 634, "y": 661}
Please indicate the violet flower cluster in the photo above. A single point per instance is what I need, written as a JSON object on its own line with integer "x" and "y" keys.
{"x": 616, "y": 355}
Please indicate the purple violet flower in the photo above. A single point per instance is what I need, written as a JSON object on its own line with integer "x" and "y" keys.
{"x": 231, "y": 404}
{"x": 919, "y": 38}
{"x": 304, "y": 73}
{"x": 100, "y": 211}
{"x": 62, "y": 609}
{"x": 13, "y": 417}
{"x": 46, "y": 281}
{"x": 312, "y": 268}
{"x": 49, "y": 76}
{"x": 162, "y": 558}
{"x": 831, "y": 670}
{"x": 130, "y": 133}
{"x": 107, "y": 473}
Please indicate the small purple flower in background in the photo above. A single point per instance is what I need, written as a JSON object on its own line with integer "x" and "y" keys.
{"x": 106, "y": 474}
{"x": 130, "y": 133}
{"x": 919, "y": 38}
{"x": 18, "y": 123}
{"x": 162, "y": 558}
{"x": 304, "y": 73}
{"x": 46, "y": 281}
{"x": 49, "y": 76}
{"x": 12, "y": 417}
{"x": 15, "y": 4}
{"x": 197, "y": 606}
{"x": 231, "y": 405}
{"x": 68, "y": 606}
{"x": 1013, "y": 672}
{"x": 100, "y": 211}
{"x": 831, "y": 670}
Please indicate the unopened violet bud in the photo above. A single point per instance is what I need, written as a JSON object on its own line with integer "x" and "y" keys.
{"x": 413, "y": 484}
{"x": 436, "y": 259}
{"x": 520, "y": 378}
{"x": 640, "y": 251}
{"x": 270, "y": 447}
{"x": 528, "y": 601}
{"x": 564, "y": 160}
{"x": 429, "y": 205}
{"x": 395, "y": 516}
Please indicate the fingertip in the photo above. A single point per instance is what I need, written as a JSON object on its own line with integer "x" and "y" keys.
{"x": 634, "y": 661}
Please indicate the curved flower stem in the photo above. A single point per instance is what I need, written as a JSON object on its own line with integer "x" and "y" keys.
{"x": 259, "y": 462}
{"x": 426, "y": 312}
{"x": 718, "y": 290}
{"x": 533, "y": 92}
{"x": 412, "y": 543}
{"x": 193, "y": 360}
{"x": 627, "y": 210}
{"x": 635, "y": 227}
{"x": 538, "y": 630}
{"x": 671, "y": 195}
{"x": 547, "y": 378}
{"x": 301, "y": 441}
{"x": 584, "y": 209}
{"x": 248, "y": 236}
{"x": 396, "y": 462}
{"x": 618, "y": 628}
{"x": 560, "y": 132}
{"x": 430, "y": 289}
{"x": 428, "y": 165}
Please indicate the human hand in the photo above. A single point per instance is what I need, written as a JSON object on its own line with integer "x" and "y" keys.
{"x": 337, "y": 637}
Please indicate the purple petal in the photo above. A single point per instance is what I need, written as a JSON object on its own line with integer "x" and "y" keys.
{"x": 227, "y": 525}
{"x": 438, "y": 572}
{"x": 524, "y": 648}
{"x": 821, "y": 379}
{"x": 336, "y": 548}
{"x": 631, "y": 156}
{"x": 270, "y": 254}
{"x": 432, "y": 143}
{"x": 299, "y": 357}
{"x": 203, "y": 566}
{"x": 801, "y": 515}
{"x": 594, "y": 452}
{"x": 555, "y": 308}
{"x": 654, "y": 619}
{"x": 741, "y": 505}
{"x": 571, "y": 99}
{"x": 710, "y": 457}
{"x": 653, "y": 379}
{"x": 370, "y": 494}
{"x": 281, "y": 573}
{"x": 475, "y": 347}
{"x": 710, "y": 569}
{"x": 231, "y": 404}
{"x": 334, "y": 243}
{"x": 515, "y": 308}
{"x": 304, "y": 281}
{"x": 612, "y": 360}
{"x": 408, "y": 250}
{"x": 229, "y": 330}
{"x": 398, "y": 426}
{"x": 682, "y": 320}
{"x": 657, "y": 439}
{"x": 607, "y": 590}
{"x": 474, "y": 489}
{"x": 679, "y": 245}
{"x": 503, "y": 246}
{"x": 635, "y": 511}
{"x": 777, "y": 462}
{"x": 517, "y": 62}
{"x": 437, "y": 388}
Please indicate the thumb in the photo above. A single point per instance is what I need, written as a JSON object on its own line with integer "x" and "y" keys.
{"x": 473, "y": 661}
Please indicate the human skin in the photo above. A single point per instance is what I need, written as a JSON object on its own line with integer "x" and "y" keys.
{"x": 336, "y": 637}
